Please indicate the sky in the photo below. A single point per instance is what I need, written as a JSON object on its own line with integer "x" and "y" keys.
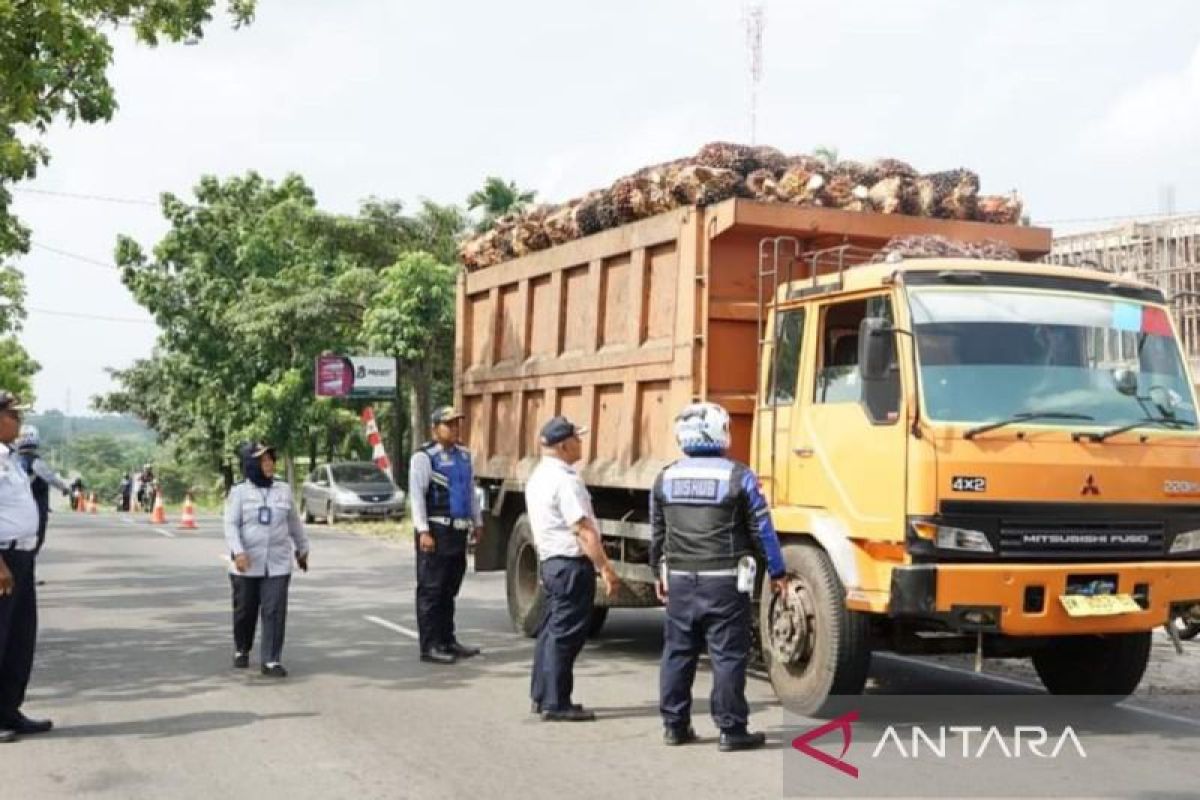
{"x": 1089, "y": 108}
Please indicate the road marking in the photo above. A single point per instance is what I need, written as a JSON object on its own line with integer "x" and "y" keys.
{"x": 165, "y": 533}
{"x": 391, "y": 626}
{"x": 1127, "y": 705}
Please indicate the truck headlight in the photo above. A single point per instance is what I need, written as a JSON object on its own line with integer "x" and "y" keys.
{"x": 948, "y": 537}
{"x": 1186, "y": 542}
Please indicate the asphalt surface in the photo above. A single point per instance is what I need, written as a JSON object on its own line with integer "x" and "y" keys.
{"x": 134, "y": 667}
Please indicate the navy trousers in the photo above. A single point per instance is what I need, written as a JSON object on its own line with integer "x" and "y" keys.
{"x": 439, "y": 577}
{"x": 18, "y": 633}
{"x": 705, "y": 610}
{"x": 265, "y": 597}
{"x": 570, "y": 585}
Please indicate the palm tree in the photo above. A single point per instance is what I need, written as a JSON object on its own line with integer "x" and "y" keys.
{"x": 497, "y": 198}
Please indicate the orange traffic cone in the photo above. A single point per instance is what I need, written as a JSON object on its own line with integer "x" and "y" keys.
{"x": 93, "y": 508}
{"x": 188, "y": 520}
{"x": 159, "y": 515}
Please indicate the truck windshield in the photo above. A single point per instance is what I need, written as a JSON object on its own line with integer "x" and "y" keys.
{"x": 993, "y": 354}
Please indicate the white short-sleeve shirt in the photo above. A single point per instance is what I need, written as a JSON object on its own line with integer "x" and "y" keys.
{"x": 556, "y": 500}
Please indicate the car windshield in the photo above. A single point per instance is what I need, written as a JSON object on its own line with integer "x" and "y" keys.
{"x": 358, "y": 473}
{"x": 991, "y": 354}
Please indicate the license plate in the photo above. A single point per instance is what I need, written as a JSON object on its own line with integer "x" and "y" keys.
{"x": 1099, "y": 605}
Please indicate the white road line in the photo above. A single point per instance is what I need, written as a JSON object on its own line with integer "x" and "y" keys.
{"x": 1126, "y": 705}
{"x": 391, "y": 626}
{"x": 165, "y": 533}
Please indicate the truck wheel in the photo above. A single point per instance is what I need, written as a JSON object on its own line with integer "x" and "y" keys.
{"x": 596, "y": 622}
{"x": 813, "y": 646}
{"x": 1110, "y": 665}
{"x": 523, "y": 584}
{"x": 1187, "y": 630}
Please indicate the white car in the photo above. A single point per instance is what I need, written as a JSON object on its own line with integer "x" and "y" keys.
{"x": 350, "y": 489}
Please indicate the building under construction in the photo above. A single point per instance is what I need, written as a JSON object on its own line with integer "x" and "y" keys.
{"x": 1163, "y": 252}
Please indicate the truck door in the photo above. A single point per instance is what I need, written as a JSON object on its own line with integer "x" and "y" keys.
{"x": 781, "y": 382}
{"x": 849, "y": 443}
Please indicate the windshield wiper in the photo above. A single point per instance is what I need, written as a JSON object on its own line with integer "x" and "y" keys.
{"x": 1168, "y": 422}
{"x": 1024, "y": 416}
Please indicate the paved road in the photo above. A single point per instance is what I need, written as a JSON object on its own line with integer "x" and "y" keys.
{"x": 134, "y": 667}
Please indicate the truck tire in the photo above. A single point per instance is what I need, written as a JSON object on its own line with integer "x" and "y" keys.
{"x": 1110, "y": 665}
{"x": 814, "y": 648}
{"x": 522, "y": 581}
{"x": 596, "y": 623}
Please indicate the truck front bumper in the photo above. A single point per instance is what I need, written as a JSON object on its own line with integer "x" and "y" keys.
{"x": 1023, "y": 600}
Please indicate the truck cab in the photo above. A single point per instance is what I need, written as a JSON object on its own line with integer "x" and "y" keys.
{"x": 967, "y": 456}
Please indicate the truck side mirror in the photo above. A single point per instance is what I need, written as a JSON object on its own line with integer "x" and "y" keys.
{"x": 876, "y": 339}
{"x": 1126, "y": 381}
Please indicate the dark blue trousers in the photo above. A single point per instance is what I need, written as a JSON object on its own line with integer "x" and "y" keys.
{"x": 18, "y": 633}
{"x": 570, "y": 585}
{"x": 439, "y": 577}
{"x": 705, "y": 609}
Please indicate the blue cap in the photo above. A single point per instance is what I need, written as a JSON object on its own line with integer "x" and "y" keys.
{"x": 559, "y": 429}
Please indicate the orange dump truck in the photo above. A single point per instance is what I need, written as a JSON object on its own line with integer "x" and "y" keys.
{"x": 991, "y": 457}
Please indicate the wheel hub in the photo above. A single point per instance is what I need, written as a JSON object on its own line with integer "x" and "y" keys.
{"x": 793, "y": 631}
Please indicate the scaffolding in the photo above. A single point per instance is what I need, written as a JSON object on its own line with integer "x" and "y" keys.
{"x": 1164, "y": 253}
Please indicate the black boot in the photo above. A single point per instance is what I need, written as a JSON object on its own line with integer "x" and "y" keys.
{"x": 740, "y": 740}
{"x": 674, "y": 736}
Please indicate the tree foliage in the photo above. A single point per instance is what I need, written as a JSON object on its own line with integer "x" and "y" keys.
{"x": 54, "y": 59}
{"x": 251, "y": 283}
{"x": 497, "y": 198}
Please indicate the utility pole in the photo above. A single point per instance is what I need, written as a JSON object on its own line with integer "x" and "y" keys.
{"x": 754, "y": 20}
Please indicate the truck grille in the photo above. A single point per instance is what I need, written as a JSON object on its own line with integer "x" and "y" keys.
{"x": 1066, "y": 540}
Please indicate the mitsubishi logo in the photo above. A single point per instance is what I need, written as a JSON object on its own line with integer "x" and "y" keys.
{"x": 1090, "y": 487}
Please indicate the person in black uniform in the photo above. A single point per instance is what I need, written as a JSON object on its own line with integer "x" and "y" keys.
{"x": 18, "y": 592}
{"x": 41, "y": 478}
{"x": 445, "y": 510}
{"x": 708, "y": 518}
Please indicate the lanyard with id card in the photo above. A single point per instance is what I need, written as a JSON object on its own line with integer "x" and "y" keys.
{"x": 264, "y": 511}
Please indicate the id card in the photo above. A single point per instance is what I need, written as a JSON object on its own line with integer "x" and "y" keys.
{"x": 746, "y": 570}
{"x": 264, "y": 515}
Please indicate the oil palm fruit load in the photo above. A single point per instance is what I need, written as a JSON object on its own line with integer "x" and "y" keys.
{"x": 941, "y": 247}
{"x": 721, "y": 170}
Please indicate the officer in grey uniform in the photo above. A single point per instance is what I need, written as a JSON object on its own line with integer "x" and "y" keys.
{"x": 18, "y": 595}
{"x": 264, "y": 533}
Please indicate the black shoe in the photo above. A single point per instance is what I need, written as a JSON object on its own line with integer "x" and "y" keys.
{"x": 22, "y": 725}
{"x": 673, "y": 737}
{"x": 462, "y": 650}
{"x": 536, "y": 708}
{"x": 274, "y": 671}
{"x": 241, "y": 660}
{"x": 740, "y": 740}
{"x": 439, "y": 657}
{"x": 7, "y": 736}
{"x": 572, "y": 714}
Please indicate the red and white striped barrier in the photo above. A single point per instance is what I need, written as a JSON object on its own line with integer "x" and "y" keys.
{"x": 378, "y": 454}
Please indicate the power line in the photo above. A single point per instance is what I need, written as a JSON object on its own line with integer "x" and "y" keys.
{"x": 81, "y": 315}
{"x": 100, "y": 198}
{"x": 76, "y": 256}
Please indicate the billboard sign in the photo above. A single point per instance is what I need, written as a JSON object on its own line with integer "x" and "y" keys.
{"x": 356, "y": 376}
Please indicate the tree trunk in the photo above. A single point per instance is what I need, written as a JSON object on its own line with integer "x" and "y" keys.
{"x": 312, "y": 451}
{"x": 399, "y": 462}
{"x": 227, "y": 476}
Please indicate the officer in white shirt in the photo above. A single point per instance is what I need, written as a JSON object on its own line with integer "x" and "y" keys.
{"x": 568, "y": 543}
{"x": 18, "y": 598}
{"x": 264, "y": 533}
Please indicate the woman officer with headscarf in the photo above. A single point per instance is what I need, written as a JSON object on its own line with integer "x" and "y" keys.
{"x": 264, "y": 532}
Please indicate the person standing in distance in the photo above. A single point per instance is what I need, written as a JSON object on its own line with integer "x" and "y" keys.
{"x": 569, "y": 548}
{"x": 708, "y": 519}
{"x": 264, "y": 533}
{"x": 18, "y": 593}
{"x": 41, "y": 478}
{"x": 445, "y": 510}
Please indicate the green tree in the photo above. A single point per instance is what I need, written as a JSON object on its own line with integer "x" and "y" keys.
{"x": 497, "y": 198}
{"x": 17, "y": 369}
{"x": 54, "y": 59}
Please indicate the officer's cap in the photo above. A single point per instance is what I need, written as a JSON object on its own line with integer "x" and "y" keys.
{"x": 10, "y": 402}
{"x": 559, "y": 429}
{"x": 445, "y": 414}
{"x": 257, "y": 449}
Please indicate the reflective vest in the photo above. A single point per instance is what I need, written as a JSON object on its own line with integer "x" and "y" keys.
{"x": 451, "y": 482}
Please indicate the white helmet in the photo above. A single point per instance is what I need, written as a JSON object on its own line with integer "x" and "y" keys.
{"x": 28, "y": 438}
{"x": 702, "y": 428}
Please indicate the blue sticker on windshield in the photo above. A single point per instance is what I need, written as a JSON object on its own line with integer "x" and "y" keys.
{"x": 1127, "y": 317}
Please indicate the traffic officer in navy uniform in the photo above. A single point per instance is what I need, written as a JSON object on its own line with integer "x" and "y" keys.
{"x": 445, "y": 511}
{"x": 18, "y": 595}
{"x": 708, "y": 521}
{"x": 264, "y": 533}
{"x": 41, "y": 478}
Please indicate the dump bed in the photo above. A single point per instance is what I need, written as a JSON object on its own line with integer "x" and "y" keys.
{"x": 619, "y": 330}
